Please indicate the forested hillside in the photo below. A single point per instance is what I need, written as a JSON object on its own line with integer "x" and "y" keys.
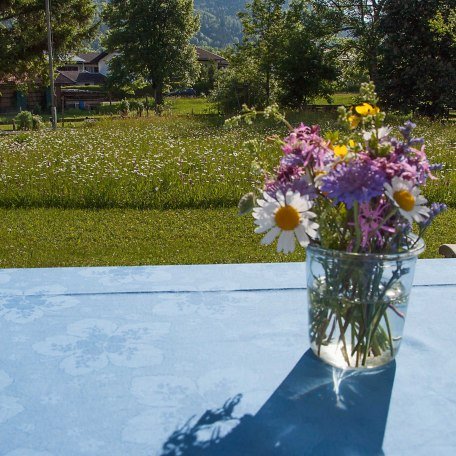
{"x": 220, "y": 25}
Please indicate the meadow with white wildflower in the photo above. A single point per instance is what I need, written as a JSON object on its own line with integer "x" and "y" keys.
{"x": 136, "y": 163}
{"x": 176, "y": 162}
{"x": 166, "y": 162}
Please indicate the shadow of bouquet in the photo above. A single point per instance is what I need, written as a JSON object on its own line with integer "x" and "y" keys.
{"x": 317, "y": 410}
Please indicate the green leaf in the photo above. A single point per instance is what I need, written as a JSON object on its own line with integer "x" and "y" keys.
{"x": 246, "y": 203}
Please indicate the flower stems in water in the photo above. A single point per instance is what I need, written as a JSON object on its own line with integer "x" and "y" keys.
{"x": 356, "y": 300}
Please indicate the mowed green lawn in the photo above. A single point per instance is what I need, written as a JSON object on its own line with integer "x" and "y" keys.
{"x": 157, "y": 190}
{"x": 87, "y": 237}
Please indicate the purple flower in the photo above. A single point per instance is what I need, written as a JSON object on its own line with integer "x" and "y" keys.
{"x": 360, "y": 180}
{"x": 406, "y": 131}
{"x": 436, "y": 167}
{"x": 436, "y": 209}
{"x": 305, "y": 147}
{"x": 407, "y": 163}
{"x": 290, "y": 178}
{"x": 372, "y": 224}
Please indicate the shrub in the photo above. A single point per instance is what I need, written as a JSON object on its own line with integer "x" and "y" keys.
{"x": 137, "y": 106}
{"x": 108, "y": 109}
{"x": 37, "y": 109}
{"x": 124, "y": 107}
{"x": 37, "y": 122}
{"x": 149, "y": 105}
{"x": 235, "y": 87}
{"x": 24, "y": 120}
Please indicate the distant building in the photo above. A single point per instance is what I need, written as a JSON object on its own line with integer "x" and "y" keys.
{"x": 206, "y": 57}
{"x": 93, "y": 67}
{"x": 13, "y": 99}
{"x": 85, "y": 69}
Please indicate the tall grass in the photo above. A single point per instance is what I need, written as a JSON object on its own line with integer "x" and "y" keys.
{"x": 168, "y": 162}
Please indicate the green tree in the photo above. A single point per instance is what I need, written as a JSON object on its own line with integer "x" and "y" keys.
{"x": 444, "y": 22}
{"x": 206, "y": 78}
{"x": 23, "y": 33}
{"x": 418, "y": 66}
{"x": 152, "y": 39}
{"x": 306, "y": 62}
{"x": 263, "y": 25}
{"x": 288, "y": 55}
{"x": 358, "y": 21}
{"x": 238, "y": 84}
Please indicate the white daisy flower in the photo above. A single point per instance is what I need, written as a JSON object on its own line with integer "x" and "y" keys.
{"x": 288, "y": 216}
{"x": 408, "y": 199}
{"x": 383, "y": 132}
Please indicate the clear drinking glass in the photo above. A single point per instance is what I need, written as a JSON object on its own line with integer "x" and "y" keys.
{"x": 358, "y": 304}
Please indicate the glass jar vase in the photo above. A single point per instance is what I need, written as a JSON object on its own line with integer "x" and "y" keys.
{"x": 358, "y": 304}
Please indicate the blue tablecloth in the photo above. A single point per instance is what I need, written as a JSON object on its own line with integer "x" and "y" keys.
{"x": 112, "y": 361}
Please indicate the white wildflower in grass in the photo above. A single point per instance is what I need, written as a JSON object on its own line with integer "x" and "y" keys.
{"x": 287, "y": 216}
{"x": 408, "y": 199}
{"x": 120, "y": 163}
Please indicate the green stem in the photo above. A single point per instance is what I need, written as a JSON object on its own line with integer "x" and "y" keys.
{"x": 333, "y": 327}
{"x": 357, "y": 228}
{"x": 380, "y": 310}
{"x": 342, "y": 338}
{"x": 390, "y": 337}
{"x": 321, "y": 332}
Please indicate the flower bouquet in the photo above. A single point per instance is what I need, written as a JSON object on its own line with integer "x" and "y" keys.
{"x": 351, "y": 198}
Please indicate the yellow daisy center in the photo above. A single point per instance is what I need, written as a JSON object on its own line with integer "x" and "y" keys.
{"x": 287, "y": 218}
{"x": 405, "y": 200}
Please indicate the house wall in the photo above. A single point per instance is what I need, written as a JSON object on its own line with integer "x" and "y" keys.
{"x": 11, "y": 100}
{"x": 80, "y": 99}
{"x": 70, "y": 68}
{"x": 7, "y": 98}
{"x": 91, "y": 68}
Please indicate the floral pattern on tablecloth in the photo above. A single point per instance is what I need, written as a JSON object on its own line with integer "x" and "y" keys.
{"x": 115, "y": 372}
{"x": 171, "y": 401}
{"x": 9, "y": 406}
{"x": 171, "y": 306}
{"x": 26, "y": 308}
{"x": 119, "y": 276}
{"x": 92, "y": 344}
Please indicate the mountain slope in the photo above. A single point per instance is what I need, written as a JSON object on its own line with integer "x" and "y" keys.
{"x": 220, "y": 25}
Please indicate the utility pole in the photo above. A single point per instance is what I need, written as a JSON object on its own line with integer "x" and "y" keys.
{"x": 51, "y": 66}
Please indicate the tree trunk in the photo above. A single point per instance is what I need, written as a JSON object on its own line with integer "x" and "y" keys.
{"x": 373, "y": 65}
{"x": 159, "y": 99}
